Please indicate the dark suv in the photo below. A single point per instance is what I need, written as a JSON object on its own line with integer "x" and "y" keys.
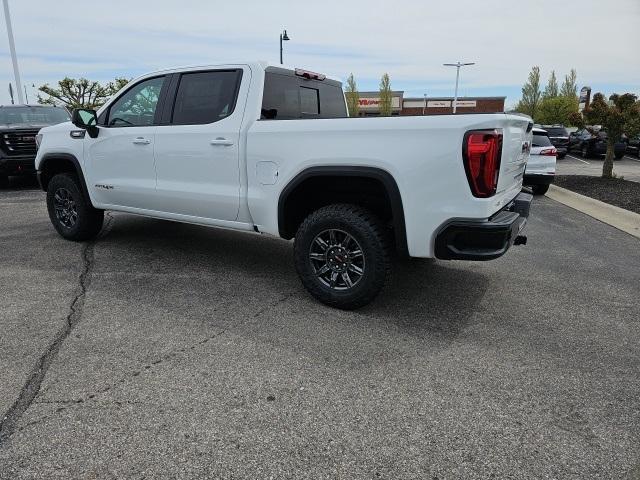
{"x": 592, "y": 141}
{"x": 559, "y": 138}
{"x": 19, "y": 125}
{"x": 633, "y": 145}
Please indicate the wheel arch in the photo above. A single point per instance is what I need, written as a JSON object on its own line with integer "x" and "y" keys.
{"x": 54, "y": 163}
{"x": 374, "y": 174}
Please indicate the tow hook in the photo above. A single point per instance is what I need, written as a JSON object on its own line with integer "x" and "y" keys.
{"x": 520, "y": 240}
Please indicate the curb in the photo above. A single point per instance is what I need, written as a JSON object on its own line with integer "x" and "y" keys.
{"x": 617, "y": 217}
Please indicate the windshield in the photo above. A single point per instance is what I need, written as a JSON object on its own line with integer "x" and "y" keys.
{"x": 33, "y": 115}
{"x": 557, "y": 132}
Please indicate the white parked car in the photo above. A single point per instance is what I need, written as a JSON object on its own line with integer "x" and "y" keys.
{"x": 267, "y": 149}
{"x": 541, "y": 167}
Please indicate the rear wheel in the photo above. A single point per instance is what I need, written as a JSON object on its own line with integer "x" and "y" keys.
{"x": 341, "y": 255}
{"x": 618, "y": 156}
{"x": 71, "y": 214}
{"x": 4, "y": 181}
{"x": 540, "y": 189}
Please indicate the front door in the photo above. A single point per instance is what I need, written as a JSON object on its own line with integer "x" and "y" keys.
{"x": 197, "y": 147}
{"x": 120, "y": 160}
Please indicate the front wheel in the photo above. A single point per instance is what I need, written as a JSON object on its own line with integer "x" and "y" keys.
{"x": 618, "y": 156}
{"x": 71, "y": 214}
{"x": 4, "y": 181}
{"x": 341, "y": 255}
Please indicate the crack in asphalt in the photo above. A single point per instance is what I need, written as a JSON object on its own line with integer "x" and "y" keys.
{"x": 64, "y": 404}
{"x": 31, "y": 387}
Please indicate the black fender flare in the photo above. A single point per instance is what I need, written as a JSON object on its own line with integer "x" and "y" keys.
{"x": 397, "y": 209}
{"x": 49, "y": 158}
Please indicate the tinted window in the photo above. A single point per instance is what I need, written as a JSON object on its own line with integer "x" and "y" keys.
{"x": 309, "y": 101}
{"x": 288, "y": 97}
{"x": 556, "y": 132}
{"x": 33, "y": 115}
{"x": 137, "y": 106}
{"x": 540, "y": 140}
{"x": 206, "y": 97}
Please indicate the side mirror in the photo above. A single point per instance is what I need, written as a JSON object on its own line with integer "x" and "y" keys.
{"x": 86, "y": 119}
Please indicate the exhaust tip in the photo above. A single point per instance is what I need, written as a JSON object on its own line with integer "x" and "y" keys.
{"x": 520, "y": 240}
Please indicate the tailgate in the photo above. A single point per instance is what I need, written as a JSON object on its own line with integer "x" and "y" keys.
{"x": 516, "y": 144}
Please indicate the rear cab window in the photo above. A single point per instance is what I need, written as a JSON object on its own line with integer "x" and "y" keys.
{"x": 288, "y": 96}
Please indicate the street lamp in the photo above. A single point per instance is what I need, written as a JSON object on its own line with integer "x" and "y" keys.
{"x": 12, "y": 49}
{"x": 285, "y": 37}
{"x": 425, "y": 104}
{"x": 457, "y": 65}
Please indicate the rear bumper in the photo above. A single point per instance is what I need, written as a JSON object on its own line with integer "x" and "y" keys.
{"x": 14, "y": 166}
{"x": 485, "y": 239}
{"x": 538, "y": 179}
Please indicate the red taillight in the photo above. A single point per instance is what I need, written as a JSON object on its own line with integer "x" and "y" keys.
{"x": 481, "y": 152}
{"x": 549, "y": 152}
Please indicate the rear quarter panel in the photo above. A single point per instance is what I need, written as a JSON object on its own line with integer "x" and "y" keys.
{"x": 423, "y": 154}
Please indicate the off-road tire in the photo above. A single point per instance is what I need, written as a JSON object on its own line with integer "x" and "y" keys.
{"x": 540, "y": 189}
{"x": 370, "y": 236}
{"x": 88, "y": 220}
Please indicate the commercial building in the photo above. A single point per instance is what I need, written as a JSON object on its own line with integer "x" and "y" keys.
{"x": 401, "y": 105}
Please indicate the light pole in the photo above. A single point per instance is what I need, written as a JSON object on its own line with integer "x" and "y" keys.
{"x": 457, "y": 65}
{"x": 425, "y": 104}
{"x": 12, "y": 48}
{"x": 283, "y": 36}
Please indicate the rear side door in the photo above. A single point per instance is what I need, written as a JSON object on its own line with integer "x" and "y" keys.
{"x": 197, "y": 144}
{"x": 120, "y": 160}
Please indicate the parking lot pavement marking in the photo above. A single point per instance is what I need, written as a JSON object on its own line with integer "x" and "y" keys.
{"x": 576, "y": 158}
{"x": 631, "y": 158}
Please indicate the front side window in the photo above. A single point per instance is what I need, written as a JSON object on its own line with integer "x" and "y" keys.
{"x": 205, "y": 97}
{"x": 137, "y": 107}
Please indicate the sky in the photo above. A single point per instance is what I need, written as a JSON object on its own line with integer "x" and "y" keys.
{"x": 410, "y": 40}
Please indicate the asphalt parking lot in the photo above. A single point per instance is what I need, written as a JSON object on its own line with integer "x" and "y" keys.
{"x": 573, "y": 164}
{"x": 174, "y": 351}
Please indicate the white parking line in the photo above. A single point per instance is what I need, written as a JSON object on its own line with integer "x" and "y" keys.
{"x": 576, "y": 158}
{"x": 631, "y": 158}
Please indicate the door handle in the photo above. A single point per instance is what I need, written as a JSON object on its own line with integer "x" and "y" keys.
{"x": 221, "y": 141}
{"x": 141, "y": 141}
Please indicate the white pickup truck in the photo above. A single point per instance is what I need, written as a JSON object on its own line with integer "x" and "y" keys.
{"x": 267, "y": 149}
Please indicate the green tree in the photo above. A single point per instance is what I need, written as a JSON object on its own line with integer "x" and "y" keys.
{"x": 556, "y": 110}
{"x": 79, "y": 93}
{"x": 551, "y": 90}
{"x": 569, "y": 86}
{"x": 385, "y": 96}
{"x": 530, "y": 101}
{"x": 353, "y": 97}
{"x": 621, "y": 116}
